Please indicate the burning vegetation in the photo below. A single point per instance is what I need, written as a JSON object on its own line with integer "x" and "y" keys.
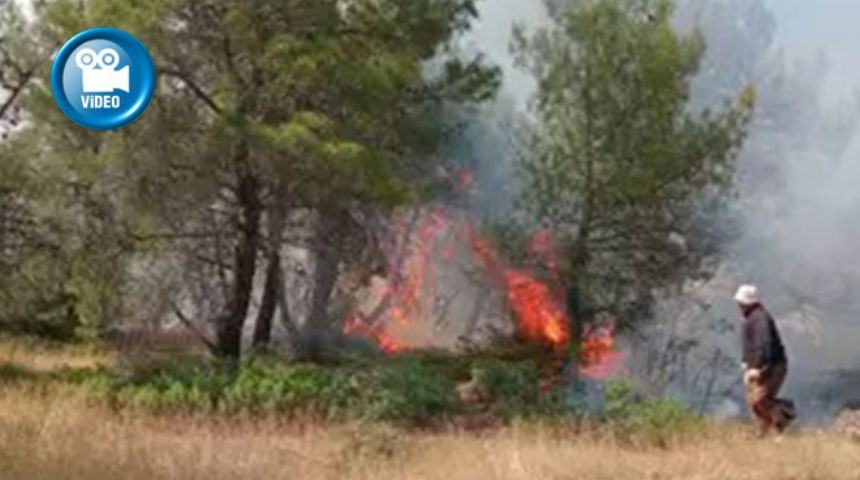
{"x": 403, "y": 310}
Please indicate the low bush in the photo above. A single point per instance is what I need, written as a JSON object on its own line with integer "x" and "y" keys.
{"x": 514, "y": 391}
{"x": 632, "y": 416}
{"x": 410, "y": 390}
{"x": 414, "y": 390}
{"x": 10, "y": 372}
{"x": 100, "y": 379}
{"x": 270, "y": 387}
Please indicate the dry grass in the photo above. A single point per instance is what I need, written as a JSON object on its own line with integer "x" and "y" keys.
{"x": 57, "y": 434}
{"x": 54, "y": 432}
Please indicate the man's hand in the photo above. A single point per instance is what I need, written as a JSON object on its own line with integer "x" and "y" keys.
{"x": 752, "y": 375}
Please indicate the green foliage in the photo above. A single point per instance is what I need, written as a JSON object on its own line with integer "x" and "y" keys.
{"x": 14, "y": 373}
{"x": 333, "y": 95}
{"x": 61, "y": 266}
{"x": 406, "y": 391}
{"x": 514, "y": 392}
{"x": 32, "y": 297}
{"x": 411, "y": 391}
{"x": 312, "y": 106}
{"x": 271, "y": 387}
{"x": 98, "y": 378}
{"x": 633, "y": 417}
{"x": 46, "y": 318}
{"x": 512, "y": 389}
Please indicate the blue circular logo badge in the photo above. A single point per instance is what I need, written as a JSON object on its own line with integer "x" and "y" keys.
{"x": 103, "y": 78}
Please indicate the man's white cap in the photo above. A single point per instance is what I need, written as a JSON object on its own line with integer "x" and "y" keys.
{"x": 747, "y": 295}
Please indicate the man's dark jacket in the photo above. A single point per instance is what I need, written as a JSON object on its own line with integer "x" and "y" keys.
{"x": 761, "y": 342}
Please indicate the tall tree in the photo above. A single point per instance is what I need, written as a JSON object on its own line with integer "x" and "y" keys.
{"x": 312, "y": 114}
{"x": 35, "y": 265}
{"x": 616, "y": 162}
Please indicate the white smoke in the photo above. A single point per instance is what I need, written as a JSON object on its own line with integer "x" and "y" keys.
{"x": 798, "y": 203}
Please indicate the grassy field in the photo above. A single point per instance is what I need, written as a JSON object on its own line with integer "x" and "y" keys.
{"x": 58, "y": 432}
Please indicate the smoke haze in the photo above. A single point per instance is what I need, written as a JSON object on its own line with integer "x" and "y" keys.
{"x": 798, "y": 203}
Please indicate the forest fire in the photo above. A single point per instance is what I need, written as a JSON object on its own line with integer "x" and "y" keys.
{"x": 540, "y": 319}
{"x": 356, "y": 326}
{"x": 536, "y": 305}
{"x": 599, "y": 359}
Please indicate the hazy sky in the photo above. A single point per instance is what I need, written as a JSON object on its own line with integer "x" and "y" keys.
{"x": 804, "y": 28}
{"x": 829, "y": 26}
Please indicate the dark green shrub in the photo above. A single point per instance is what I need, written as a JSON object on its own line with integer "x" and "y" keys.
{"x": 415, "y": 390}
{"x": 101, "y": 379}
{"x": 272, "y": 387}
{"x": 408, "y": 390}
{"x": 513, "y": 390}
{"x": 10, "y": 373}
{"x": 632, "y": 416}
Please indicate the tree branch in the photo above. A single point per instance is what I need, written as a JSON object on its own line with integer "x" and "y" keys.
{"x": 16, "y": 90}
{"x": 194, "y": 87}
{"x": 193, "y": 328}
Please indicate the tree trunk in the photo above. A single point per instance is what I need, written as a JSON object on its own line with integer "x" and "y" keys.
{"x": 580, "y": 251}
{"x": 325, "y": 277}
{"x": 229, "y": 326}
{"x": 284, "y": 315}
{"x": 273, "y": 288}
{"x": 576, "y": 321}
{"x": 575, "y": 294}
{"x": 263, "y": 325}
{"x": 575, "y": 313}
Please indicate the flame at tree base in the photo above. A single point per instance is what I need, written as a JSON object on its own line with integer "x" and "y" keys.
{"x": 599, "y": 358}
{"x": 536, "y": 308}
{"x": 540, "y": 318}
{"x": 356, "y": 326}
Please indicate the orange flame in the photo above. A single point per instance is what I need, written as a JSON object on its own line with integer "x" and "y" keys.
{"x": 536, "y": 306}
{"x": 599, "y": 359}
{"x": 358, "y": 327}
{"x": 411, "y": 281}
{"x": 539, "y": 315}
{"x": 540, "y": 319}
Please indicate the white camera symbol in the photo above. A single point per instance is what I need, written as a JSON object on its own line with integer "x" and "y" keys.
{"x": 99, "y": 71}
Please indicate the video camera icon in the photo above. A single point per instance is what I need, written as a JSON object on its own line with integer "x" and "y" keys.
{"x": 103, "y": 78}
{"x": 99, "y": 71}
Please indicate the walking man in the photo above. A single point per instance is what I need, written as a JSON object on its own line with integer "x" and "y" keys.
{"x": 764, "y": 363}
